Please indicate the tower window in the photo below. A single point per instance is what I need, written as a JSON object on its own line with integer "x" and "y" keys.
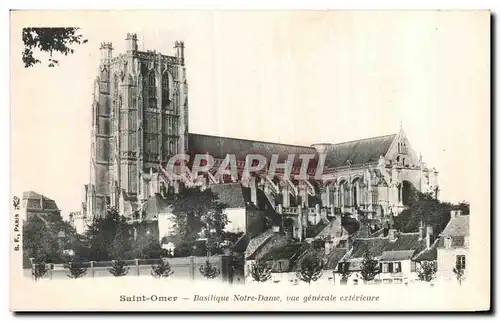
{"x": 165, "y": 98}
{"x": 151, "y": 90}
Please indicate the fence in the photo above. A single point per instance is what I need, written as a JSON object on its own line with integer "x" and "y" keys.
{"x": 182, "y": 267}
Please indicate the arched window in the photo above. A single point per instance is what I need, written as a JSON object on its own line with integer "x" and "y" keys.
{"x": 355, "y": 191}
{"x": 344, "y": 194}
{"x": 151, "y": 90}
{"x": 165, "y": 98}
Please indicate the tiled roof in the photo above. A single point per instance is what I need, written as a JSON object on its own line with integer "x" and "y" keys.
{"x": 429, "y": 254}
{"x": 396, "y": 255}
{"x": 456, "y": 241}
{"x": 355, "y": 264}
{"x": 376, "y": 246}
{"x": 333, "y": 229}
{"x": 33, "y": 202}
{"x": 230, "y": 194}
{"x": 359, "y": 151}
{"x": 31, "y": 195}
{"x": 256, "y": 242}
{"x": 334, "y": 257}
{"x": 285, "y": 252}
{"x": 219, "y": 147}
{"x": 304, "y": 252}
{"x": 458, "y": 226}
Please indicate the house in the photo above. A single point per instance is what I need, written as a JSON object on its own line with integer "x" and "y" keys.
{"x": 284, "y": 253}
{"x": 453, "y": 250}
{"x": 244, "y": 216}
{"x": 34, "y": 203}
{"x": 395, "y": 253}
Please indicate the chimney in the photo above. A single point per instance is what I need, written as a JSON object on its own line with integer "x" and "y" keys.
{"x": 253, "y": 190}
{"x": 328, "y": 246}
{"x": 41, "y": 201}
{"x": 348, "y": 243}
{"x": 421, "y": 231}
{"x": 392, "y": 234}
{"x": 428, "y": 237}
{"x": 337, "y": 214}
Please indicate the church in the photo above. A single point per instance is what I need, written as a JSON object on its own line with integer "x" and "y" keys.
{"x": 141, "y": 119}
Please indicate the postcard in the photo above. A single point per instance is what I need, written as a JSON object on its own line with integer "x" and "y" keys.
{"x": 250, "y": 160}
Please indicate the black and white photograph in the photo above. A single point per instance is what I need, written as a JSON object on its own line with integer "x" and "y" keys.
{"x": 238, "y": 160}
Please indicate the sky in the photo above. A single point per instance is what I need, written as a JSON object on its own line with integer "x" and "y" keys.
{"x": 283, "y": 76}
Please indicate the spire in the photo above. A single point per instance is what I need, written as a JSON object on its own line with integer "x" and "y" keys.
{"x": 400, "y": 125}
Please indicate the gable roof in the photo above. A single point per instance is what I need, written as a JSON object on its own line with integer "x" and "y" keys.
{"x": 358, "y": 152}
{"x": 219, "y": 147}
{"x": 284, "y": 252}
{"x": 334, "y": 257}
{"x": 36, "y": 201}
{"x": 429, "y": 254}
{"x": 458, "y": 226}
{"x": 333, "y": 229}
{"x": 256, "y": 242}
{"x": 397, "y": 255}
{"x": 377, "y": 246}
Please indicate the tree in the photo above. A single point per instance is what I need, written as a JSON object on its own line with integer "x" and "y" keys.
{"x": 209, "y": 271}
{"x": 427, "y": 271}
{"x": 121, "y": 246}
{"x": 100, "y": 237}
{"x": 46, "y": 236}
{"x": 459, "y": 273}
{"x": 118, "y": 268}
{"x": 49, "y": 40}
{"x": 198, "y": 211}
{"x": 369, "y": 267}
{"x": 75, "y": 270}
{"x": 39, "y": 270}
{"x": 161, "y": 270}
{"x": 260, "y": 271}
{"x": 145, "y": 246}
{"x": 343, "y": 271}
{"x": 310, "y": 269}
{"x": 423, "y": 207}
{"x": 40, "y": 241}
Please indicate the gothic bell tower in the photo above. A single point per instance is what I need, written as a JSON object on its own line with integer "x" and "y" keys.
{"x": 140, "y": 120}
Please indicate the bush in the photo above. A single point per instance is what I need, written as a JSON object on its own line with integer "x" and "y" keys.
{"x": 118, "y": 268}
{"x": 161, "y": 270}
{"x": 260, "y": 271}
{"x": 209, "y": 271}
{"x": 75, "y": 270}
